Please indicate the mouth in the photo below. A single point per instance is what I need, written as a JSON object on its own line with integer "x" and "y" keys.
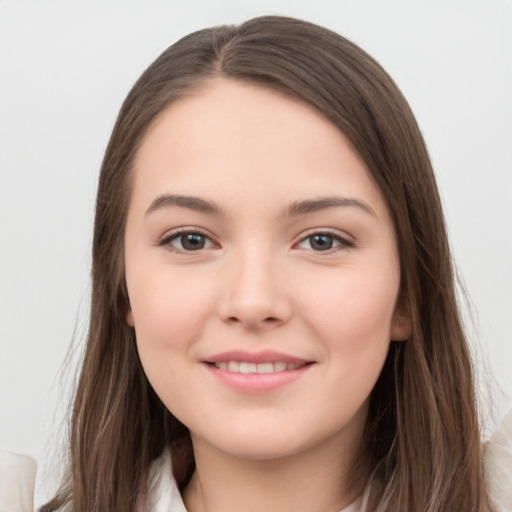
{"x": 256, "y": 372}
{"x": 247, "y": 367}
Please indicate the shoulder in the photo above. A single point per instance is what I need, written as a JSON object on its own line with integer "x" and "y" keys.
{"x": 17, "y": 481}
{"x": 498, "y": 464}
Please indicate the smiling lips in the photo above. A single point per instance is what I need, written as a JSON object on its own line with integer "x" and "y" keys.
{"x": 259, "y": 372}
{"x": 245, "y": 367}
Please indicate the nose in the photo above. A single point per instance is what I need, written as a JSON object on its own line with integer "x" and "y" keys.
{"x": 255, "y": 293}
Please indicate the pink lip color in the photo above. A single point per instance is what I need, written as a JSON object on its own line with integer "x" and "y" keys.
{"x": 256, "y": 382}
{"x": 266, "y": 356}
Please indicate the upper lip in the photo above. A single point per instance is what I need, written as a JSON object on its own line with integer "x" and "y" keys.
{"x": 266, "y": 356}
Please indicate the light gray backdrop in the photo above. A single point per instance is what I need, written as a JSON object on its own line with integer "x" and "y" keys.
{"x": 65, "y": 67}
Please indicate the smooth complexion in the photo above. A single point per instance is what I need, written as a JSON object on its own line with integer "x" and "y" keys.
{"x": 256, "y": 241}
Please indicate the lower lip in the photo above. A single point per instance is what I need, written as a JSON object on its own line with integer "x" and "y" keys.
{"x": 257, "y": 382}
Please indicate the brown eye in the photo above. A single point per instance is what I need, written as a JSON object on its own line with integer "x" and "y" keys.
{"x": 192, "y": 241}
{"x": 189, "y": 241}
{"x": 319, "y": 242}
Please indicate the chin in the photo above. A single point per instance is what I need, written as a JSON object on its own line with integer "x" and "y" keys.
{"x": 263, "y": 452}
{"x": 256, "y": 445}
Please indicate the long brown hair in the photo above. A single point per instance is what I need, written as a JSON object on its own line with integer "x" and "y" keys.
{"x": 422, "y": 430}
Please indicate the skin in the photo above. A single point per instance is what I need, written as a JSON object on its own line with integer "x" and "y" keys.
{"x": 259, "y": 283}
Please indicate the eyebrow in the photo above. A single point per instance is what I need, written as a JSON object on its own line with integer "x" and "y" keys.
{"x": 296, "y": 209}
{"x": 190, "y": 202}
{"x": 323, "y": 203}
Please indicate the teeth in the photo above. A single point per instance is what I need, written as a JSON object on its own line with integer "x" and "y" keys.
{"x": 265, "y": 368}
{"x": 279, "y": 367}
{"x": 233, "y": 366}
{"x": 248, "y": 368}
{"x": 244, "y": 367}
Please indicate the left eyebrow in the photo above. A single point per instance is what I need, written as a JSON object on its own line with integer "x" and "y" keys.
{"x": 323, "y": 203}
{"x": 189, "y": 202}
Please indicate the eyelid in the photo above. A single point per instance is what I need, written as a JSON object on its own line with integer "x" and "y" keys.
{"x": 169, "y": 236}
{"x": 346, "y": 241}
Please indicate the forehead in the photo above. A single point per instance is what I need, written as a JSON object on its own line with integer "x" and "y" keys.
{"x": 237, "y": 138}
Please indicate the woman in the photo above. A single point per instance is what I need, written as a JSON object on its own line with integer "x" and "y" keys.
{"x": 273, "y": 306}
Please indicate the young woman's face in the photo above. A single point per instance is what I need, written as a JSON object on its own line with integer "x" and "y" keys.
{"x": 262, "y": 272}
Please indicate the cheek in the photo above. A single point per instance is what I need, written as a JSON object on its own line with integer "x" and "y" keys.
{"x": 169, "y": 314}
{"x": 169, "y": 311}
{"x": 352, "y": 307}
{"x": 353, "y": 320}
{"x": 351, "y": 313}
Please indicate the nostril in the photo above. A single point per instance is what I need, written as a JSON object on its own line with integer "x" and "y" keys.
{"x": 253, "y": 323}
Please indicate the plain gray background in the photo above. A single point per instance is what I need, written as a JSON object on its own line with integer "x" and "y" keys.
{"x": 65, "y": 67}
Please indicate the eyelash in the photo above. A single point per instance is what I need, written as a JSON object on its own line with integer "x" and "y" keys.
{"x": 176, "y": 235}
{"x": 343, "y": 243}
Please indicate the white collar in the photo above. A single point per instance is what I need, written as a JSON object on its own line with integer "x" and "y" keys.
{"x": 164, "y": 496}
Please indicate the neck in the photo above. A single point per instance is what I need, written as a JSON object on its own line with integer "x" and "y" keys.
{"x": 325, "y": 479}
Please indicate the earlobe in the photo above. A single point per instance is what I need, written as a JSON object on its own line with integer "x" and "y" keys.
{"x": 401, "y": 327}
{"x": 129, "y": 318}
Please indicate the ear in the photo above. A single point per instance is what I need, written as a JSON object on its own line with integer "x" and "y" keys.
{"x": 401, "y": 324}
{"x": 129, "y": 318}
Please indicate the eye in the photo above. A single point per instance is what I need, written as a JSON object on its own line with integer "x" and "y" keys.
{"x": 323, "y": 242}
{"x": 187, "y": 241}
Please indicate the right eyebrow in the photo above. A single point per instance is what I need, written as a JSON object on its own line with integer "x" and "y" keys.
{"x": 190, "y": 202}
{"x": 323, "y": 203}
